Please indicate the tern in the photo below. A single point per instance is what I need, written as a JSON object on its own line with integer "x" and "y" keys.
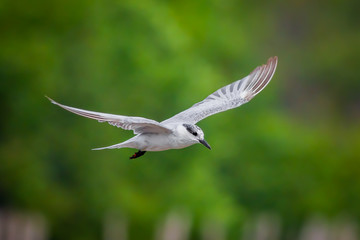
{"x": 180, "y": 130}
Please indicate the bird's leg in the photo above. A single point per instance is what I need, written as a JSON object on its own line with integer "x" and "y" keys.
{"x": 138, "y": 154}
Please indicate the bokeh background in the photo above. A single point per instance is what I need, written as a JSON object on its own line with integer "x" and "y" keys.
{"x": 284, "y": 166}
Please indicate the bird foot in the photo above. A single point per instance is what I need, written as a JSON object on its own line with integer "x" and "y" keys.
{"x": 138, "y": 154}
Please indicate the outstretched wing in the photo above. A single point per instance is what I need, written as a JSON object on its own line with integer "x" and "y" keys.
{"x": 230, "y": 96}
{"x": 137, "y": 124}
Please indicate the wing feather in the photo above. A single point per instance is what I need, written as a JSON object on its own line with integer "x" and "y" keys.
{"x": 137, "y": 124}
{"x": 230, "y": 96}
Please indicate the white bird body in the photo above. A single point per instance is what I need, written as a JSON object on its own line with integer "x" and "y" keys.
{"x": 180, "y": 130}
{"x": 157, "y": 141}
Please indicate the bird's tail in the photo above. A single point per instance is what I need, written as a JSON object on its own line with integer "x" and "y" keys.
{"x": 126, "y": 144}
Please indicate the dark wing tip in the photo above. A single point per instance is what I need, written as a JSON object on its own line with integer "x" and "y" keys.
{"x": 260, "y": 77}
{"x": 273, "y": 60}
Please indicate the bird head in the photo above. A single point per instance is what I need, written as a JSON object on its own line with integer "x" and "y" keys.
{"x": 195, "y": 133}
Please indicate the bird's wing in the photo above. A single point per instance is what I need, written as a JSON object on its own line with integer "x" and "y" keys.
{"x": 137, "y": 124}
{"x": 230, "y": 96}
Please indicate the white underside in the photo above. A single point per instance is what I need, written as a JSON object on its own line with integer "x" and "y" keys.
{"x": 153, "y": 142}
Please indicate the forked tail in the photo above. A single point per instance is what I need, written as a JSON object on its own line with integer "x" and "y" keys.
{"x": 126, "y": 144}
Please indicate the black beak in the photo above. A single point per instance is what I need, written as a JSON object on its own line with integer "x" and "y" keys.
{"x": 203, "y": 142}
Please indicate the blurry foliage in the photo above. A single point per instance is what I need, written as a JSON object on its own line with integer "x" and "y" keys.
{"x": 293, "y": 150}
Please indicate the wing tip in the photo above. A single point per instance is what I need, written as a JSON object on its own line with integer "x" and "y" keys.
{"x": 51, "y": 100}
{"x": 273, "y": 60}
{"x": 261, "y": 80}
{"x": 96, "y": 149}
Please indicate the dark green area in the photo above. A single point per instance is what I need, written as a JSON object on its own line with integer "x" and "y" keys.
{"x": 293, "y": 150}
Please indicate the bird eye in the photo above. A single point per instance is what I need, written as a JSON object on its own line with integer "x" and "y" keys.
{"x": 190, "y": 129}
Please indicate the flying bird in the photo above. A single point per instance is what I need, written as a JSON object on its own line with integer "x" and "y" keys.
{"x": 181, "y": 131}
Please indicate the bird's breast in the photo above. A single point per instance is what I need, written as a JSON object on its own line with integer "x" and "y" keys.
{"x": 161, "y": 142}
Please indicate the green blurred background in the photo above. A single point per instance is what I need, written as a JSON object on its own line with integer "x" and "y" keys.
{"x": 292, "y": 153}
